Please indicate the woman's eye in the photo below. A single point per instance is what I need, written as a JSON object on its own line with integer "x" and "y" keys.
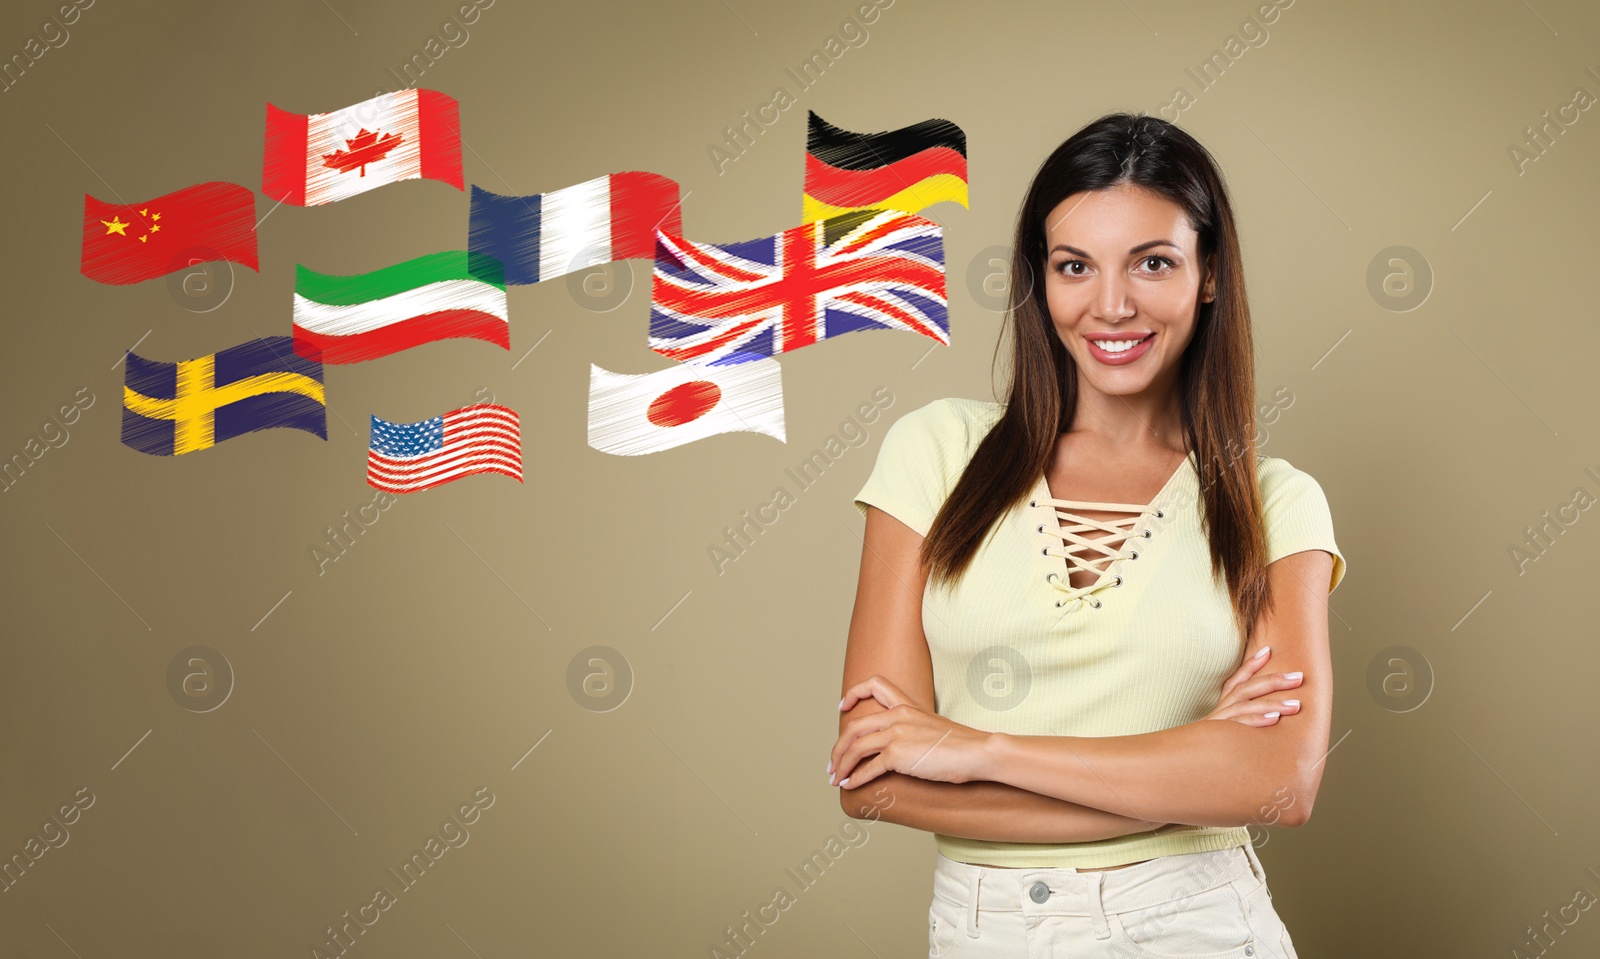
{"x": 1153, "y": 263}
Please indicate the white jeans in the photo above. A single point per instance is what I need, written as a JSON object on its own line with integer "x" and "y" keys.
{"x": 1204, "y": 905}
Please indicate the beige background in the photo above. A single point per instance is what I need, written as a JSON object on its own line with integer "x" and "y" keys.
{"x": 370, "y": 702}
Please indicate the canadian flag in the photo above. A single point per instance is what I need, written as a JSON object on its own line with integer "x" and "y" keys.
{"x": 318, "y": 158}
{"x": 650, "y": 412}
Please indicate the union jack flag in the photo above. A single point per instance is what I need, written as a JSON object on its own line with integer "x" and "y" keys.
{"x": 873, "y": 269}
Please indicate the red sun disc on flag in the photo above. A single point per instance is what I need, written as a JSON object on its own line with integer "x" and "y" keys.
{"x": 684, "y": 403}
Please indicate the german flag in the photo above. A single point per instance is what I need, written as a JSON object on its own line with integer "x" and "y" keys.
{"x": 909, "y": 169}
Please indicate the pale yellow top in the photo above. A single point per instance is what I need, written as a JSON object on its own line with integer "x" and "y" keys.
{"x": 1016, "y": 649}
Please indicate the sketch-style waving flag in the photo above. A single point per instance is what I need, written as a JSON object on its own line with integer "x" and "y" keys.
{"x": 318, "y": 158}
{"x": 866, "y": 270}
{"x": 650, "y": 412}
{"x": 128, "y": 243}
{"x": 407, "y": 457}
{"x": 348, "y": 319}
{"x": 547, "y": 235}
{"x": 908, "y": 169}
{"x": 170, "y": 408}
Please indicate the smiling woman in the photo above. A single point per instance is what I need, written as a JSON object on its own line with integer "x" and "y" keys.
{"x": 1071, "y": 694}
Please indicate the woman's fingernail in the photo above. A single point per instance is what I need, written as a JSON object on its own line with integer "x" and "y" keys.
{"x": 845, "y": 781}
{"x": 830, "y": 781}
{"x": 830, "y": 765}
{"x": 841, "y": 704}
{"x": 1291, "y": 702}
{"x": 1262, "y": 651}
{"x": 1293, "y": 675}
{"x": 1271, "y": 715}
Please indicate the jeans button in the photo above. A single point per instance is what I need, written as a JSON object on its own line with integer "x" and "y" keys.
{"x": 1038, "y": 892}
{"x": 1249, "y": 950}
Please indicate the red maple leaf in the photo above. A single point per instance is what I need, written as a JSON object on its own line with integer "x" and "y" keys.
{"x": 365, "y": 147}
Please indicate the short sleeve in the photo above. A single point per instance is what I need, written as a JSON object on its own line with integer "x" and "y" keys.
{"x": 1297, "y": 515}
{"x": 911, "y": 477}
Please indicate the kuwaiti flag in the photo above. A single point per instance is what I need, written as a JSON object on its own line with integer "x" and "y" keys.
{"x": 630, "y": 415}
{"x": 318, "y": 158}
{"x": 348, "y": 319}
{"x": 547, "y": 235}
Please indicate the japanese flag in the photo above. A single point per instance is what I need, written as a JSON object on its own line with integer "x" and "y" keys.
{"x": 634, "y": 414}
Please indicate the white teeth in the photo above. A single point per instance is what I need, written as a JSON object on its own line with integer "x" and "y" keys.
{"x": 1117, "y": 346}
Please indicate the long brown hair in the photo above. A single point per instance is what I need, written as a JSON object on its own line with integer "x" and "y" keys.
{"x": 1216, "y": 372}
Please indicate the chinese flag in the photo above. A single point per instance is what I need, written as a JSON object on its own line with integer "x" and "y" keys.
{"x": 139, "y": 241}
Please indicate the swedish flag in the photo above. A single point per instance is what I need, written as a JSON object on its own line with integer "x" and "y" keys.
{"x": 170, "y": 408}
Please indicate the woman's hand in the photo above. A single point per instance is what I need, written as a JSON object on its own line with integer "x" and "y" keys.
{"x": 906, "y": 737}
{"x": 1249, "y": 700}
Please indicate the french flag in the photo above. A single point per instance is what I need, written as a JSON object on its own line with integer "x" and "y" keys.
{"x": 547, "y": 235}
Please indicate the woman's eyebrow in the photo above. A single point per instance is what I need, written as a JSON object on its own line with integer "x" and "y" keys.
{"x": 1141, "y": 247}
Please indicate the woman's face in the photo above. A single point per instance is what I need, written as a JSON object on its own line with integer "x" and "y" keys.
{"x": 1123, "y": 283}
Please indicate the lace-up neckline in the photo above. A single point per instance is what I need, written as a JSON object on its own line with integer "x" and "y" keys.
{"x": 1120, "y": 543}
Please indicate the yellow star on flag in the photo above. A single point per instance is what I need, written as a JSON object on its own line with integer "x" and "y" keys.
{"x": 115, "y": 225}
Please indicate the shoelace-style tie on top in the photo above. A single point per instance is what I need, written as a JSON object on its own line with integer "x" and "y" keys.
{"x": 1073, "y": 533}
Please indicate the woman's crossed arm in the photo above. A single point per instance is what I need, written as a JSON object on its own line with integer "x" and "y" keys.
{"x": 1202, "y": 773}
{"x": 886, "y": 639}
{"x": 1013, "y": 800}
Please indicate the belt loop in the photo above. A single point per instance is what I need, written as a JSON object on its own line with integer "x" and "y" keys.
{"x": 1102, "y": 929}
{"x": 974, "y": 878}
{"x": 1256, "y": 868}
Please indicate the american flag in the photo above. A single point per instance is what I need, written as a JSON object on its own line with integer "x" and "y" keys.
{"x": 873, "y": 269}
{"x": 407, "y": 457}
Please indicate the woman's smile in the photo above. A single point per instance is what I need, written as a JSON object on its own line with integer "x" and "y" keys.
{"x": 1124, "y": 349}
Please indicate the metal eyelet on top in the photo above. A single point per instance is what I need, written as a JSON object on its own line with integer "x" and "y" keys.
{"x": 1135, "y": 554}
{"x": 1050, "y": 578}
{"x": 1041, "y": 527}
{"x": 1146, "y": 534}
{"x": 1045, "y": 551}
{"x": 1095, "y": 604}
{"x": 1033, "y": 502}
{"x": 1059, "y": 602}
{"x": 1160, "y": 514}
{"x": 1117, "y": 583}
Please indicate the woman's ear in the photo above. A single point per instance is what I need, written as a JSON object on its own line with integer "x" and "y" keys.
{"x": 1208, "y": 289}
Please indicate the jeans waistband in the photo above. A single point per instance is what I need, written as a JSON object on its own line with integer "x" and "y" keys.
{"x": 1067, "y": 892}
